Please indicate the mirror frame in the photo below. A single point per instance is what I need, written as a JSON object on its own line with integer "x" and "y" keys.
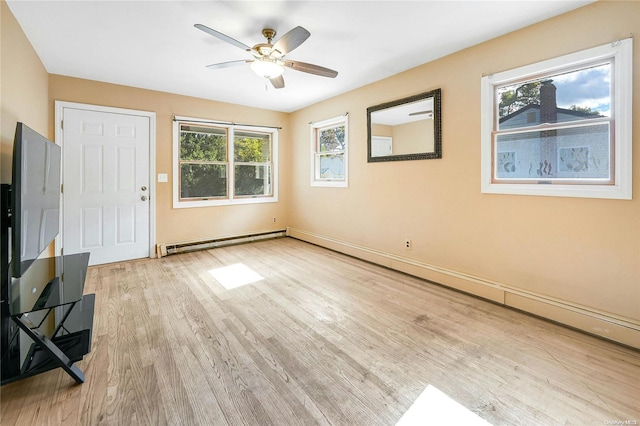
{"x": 437, "y": 128}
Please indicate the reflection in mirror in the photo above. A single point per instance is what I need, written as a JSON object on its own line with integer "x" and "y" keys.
{"x": 405, "y": 129}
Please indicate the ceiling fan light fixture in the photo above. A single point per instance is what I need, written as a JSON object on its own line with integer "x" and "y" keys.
{"x": 267, "y": 68}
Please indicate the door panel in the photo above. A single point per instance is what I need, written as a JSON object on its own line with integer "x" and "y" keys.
{"x": 106, "y": 167}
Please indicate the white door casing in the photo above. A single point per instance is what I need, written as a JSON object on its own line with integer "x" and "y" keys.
{"x": 109, "y": 192}
{"x": 381, "y": 146}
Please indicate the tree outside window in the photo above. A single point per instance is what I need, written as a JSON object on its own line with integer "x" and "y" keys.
{"x": 203, "y": 162}
{"x": 219, "y": 165}
{"x": 252, "y": 155}
{"x": 329, "y": 153}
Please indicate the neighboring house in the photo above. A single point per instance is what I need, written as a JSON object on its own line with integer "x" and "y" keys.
{"x": 560, "y": 153}
{"x": 546, "y": 111}
{"x": 332, "y": 167}
{"x": 530, "y": 116}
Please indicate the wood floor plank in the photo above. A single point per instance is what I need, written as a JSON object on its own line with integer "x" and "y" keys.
{"x": 323, "y": 339}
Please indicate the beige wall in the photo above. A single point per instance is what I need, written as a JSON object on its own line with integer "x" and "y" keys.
{"x": 583, "y": 253}
{"x": 23, "y": 88}
{"x": 381, "y": 130}
{"x": 413, "y": 137}
{"x": 179, "y": 225}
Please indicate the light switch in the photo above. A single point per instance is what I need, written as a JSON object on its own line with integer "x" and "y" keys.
{"x": 163, "y": 177}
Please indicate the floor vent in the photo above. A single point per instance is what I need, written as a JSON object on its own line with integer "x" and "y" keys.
{"x": 175, "y": 248}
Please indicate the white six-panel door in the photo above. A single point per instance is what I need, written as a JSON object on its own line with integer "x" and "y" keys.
{"x": 106, "y": 185}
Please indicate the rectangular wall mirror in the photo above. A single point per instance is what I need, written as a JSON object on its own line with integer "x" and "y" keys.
{"x": 405, "y": 129}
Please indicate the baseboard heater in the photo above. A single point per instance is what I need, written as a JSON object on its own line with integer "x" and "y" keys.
{"x": 166, "y": 249}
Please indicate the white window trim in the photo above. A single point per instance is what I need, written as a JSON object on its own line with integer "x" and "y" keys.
{"x": 342, "y": 183}
{"x": 230, "y": 200}
{"x": 622, "y": 52}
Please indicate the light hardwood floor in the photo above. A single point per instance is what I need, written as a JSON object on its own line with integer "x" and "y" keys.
{"x": 322, "y": 339}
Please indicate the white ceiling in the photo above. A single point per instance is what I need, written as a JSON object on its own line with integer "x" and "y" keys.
{"x": 153, "y": 44}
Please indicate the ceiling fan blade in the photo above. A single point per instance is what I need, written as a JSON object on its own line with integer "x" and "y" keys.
{"x": 229, "y": 64}
{"x": 291, "y": 40}
{"x": 277, "y": 82}
{"x": 311, "y": 69}
{"x": 420, "y": 112}
{"x": 222, "y": 37}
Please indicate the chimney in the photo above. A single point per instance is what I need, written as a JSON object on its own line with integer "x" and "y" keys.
{"x": 548, "y": 107}
{"x": 548, "y": 142}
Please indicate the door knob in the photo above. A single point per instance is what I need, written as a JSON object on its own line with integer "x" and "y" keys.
{"x": 143, "y": 198}
{"x": 144, "y": 188}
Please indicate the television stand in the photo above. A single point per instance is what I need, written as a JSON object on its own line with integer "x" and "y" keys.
{"x": 47, "y": 305}
{"x": 61, "y": 297}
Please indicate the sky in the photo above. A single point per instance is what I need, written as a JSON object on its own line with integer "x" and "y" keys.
{"x": 590, "y": 87}
{"x": 586, "y": 87}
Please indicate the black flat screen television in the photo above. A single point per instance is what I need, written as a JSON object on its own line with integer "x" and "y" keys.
{"x": 35, "y": 197}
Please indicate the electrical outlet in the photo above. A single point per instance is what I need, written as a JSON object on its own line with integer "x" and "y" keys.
{"x": 274, "y": 220}
{"x": 407, "y": 244}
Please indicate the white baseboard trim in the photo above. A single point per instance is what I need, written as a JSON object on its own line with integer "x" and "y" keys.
{"x": 165, "y": 249}
{"x": 593, "y": 321}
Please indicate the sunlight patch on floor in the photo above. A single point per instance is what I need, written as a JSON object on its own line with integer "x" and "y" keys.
{"x": 434, "y": 407}
{"x": 234, "y": 276}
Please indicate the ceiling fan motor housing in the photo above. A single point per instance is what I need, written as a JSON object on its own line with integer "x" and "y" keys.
{"x": 266, "y": 50}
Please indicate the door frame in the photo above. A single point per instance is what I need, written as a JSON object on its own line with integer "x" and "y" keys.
{"x": 59, "y": 139}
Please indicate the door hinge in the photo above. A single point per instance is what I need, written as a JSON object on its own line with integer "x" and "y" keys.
{"x": 62, "y": 124}
{"x": 62, "y": 188}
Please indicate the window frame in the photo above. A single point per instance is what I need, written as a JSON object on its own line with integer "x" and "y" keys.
{"x": 224, "y": 163}
{"x": 619, "y": 53}
{"x": 231, "y": 198}
{"x": 256, "y": 164}
{"x": 316, "y": 128}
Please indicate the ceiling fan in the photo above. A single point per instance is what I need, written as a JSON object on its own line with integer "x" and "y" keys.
{"x": 269, "y": 59}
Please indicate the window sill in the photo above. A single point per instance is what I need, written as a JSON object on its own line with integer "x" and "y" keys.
{"x": 558, "y": 190}
{"x": 329, "y": 184}
{"x": 225, "y": 202}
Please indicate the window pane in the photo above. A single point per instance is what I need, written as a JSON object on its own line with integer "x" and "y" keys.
{"x": 203, "y": 180}
{"x": 576, "y": 95}
{"x": 203, "y": 143}
{"x": 331, "y": 166}
{"x": 331, "y": 139}
{"x": 252, "y": 179}
{"x": 574, "y": 153}
{"x": 252, "y": 147}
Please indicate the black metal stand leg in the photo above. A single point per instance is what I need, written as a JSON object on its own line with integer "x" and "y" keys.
{"x": 64, "y": 318}
{"x": 52, "y": 350}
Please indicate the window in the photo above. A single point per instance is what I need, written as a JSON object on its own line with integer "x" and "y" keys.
{"x": 252, "y": 164}
{"x": 560, "y": 127}
{"x": 221, "y": 164}
{"x": 329, "y": 159}
{"x": 203, "y": 162}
